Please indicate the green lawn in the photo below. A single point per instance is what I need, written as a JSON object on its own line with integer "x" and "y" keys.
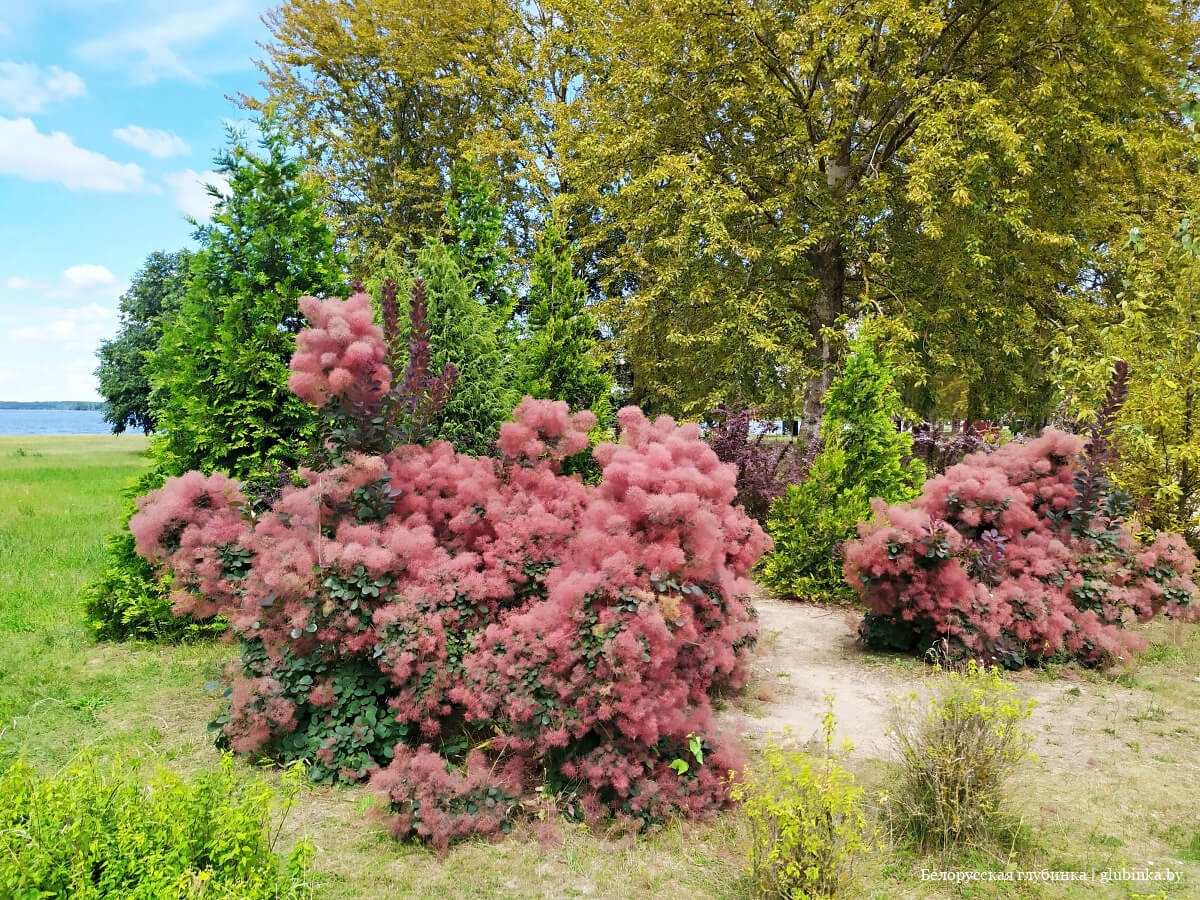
{"x": 60, "y": 691}
{"x": 59, "y": 496}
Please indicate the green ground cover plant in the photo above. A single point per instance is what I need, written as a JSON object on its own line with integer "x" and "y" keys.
{"x": 97, "y": 829}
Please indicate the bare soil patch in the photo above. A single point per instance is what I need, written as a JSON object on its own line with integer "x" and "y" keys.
{"x": 807, "y": 653}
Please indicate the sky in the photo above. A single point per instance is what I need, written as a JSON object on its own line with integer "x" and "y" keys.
{"x": 110, "y": 114}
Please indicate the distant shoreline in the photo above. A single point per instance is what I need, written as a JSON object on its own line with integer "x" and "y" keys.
{"x": 52, "y": 404}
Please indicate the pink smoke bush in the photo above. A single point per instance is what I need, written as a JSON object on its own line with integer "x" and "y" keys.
{"x": 1006, "y": 559}
{"x": 340, "y": 356}
{"x": 425, "y": 598}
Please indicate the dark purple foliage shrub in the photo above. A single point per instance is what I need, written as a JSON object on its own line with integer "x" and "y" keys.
{"x": 764, "y": 468}
{"x": 1097, "y": 501}
{"x": 940, "y": 449}
{"x": 464, "y": 629}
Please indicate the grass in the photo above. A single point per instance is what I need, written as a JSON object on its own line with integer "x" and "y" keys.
{"x": 1090, "y": 804}
{"x": 58, "y": 498}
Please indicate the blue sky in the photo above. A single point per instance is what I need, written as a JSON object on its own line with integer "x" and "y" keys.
{"x": 110, "y": 114}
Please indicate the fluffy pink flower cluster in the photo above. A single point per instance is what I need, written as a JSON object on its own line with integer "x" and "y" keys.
{"x": 986, "y": 562}
{"x": 341, "y": 356}
{"x": 441, "y": 805}
{"x": 579, "y": 629}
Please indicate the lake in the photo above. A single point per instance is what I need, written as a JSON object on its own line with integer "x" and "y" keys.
{"x": 53, "y": 421}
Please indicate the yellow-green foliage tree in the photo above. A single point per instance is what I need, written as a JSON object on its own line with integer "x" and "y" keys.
{"x": 386, "y": 96}
{"x": 740, "y": 174}
{"x": 1150, "y": 318}
{"x": 1159, "y": 335}
{"x": 771, "y": 165}
{"x": 1156, "y": 330}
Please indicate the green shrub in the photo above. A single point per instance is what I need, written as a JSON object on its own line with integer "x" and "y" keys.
{"x": 861, "y": 459}
{"x": 806, "y": 821}
{"x": 94, "y": 830}
{"x": 462, "y": 332}
{"x": 130, "y": 600}
{"x": 957, "y": 758}
{"x": 808, "y": 523}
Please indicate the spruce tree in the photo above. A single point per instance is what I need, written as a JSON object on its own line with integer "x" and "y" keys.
{"x": 475, "y": 235}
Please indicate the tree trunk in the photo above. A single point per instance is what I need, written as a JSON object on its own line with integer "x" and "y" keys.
{"x": 828, "y": 261}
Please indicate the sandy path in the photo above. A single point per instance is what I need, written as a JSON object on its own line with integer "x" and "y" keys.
{"x": 807, "y": 652}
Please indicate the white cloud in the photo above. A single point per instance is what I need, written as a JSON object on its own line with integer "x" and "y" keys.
{"x": 191, "y": 193}
{"x": 157, "y": 143}
{"x": 79, "y": 280}
{"x": 150, "y": 51}
{"x": 27, "y": 88}
{"x": 71, "y": 328}
{"x": 89, "y": 276}
{"x": 62, "y": 376}
{"x": 28, "y": 153}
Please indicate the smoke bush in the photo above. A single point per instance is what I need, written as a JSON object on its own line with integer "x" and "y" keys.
{"x": 765, "y": 468}
{"x": 939, "y": 449}
{"x": 462, "y": 629}
{"x": 1016, "y": 557}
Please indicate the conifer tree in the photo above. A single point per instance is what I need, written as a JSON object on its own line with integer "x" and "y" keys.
{"x": 464, "y": 333}
{"x": 862, "y": 457}
{"x": 219, "y": 372}
{"x": 560, "y": 358}
{"x": 221, "y": 368}
{"x": 475, "y": 236}
{"x": 861, "y": 410}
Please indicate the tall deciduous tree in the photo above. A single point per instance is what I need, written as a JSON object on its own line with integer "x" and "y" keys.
{"x": 154, "y": 295}
{"x": 1149, "y": 318}
{"x": 773, "y": 165}
{"x": 221, "y": 368}
{"x": 1158, "y": 335}
{"x": 386, "y": 96}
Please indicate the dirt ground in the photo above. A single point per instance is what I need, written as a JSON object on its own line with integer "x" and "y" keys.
{"x": 807, "y": 653}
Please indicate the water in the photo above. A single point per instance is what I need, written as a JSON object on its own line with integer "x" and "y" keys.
{"x": 53, "y": 421}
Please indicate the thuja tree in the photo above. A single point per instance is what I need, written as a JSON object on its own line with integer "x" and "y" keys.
{"x": 1016, "y": 558}
{"x": 154, "y": 295}
{"x": 465, "y": 629}
{"x": 221, "y": 368}
{"x": 466, "y": 334}
{"x": 863, "y": 456}
{"x": 561, "y": 357}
